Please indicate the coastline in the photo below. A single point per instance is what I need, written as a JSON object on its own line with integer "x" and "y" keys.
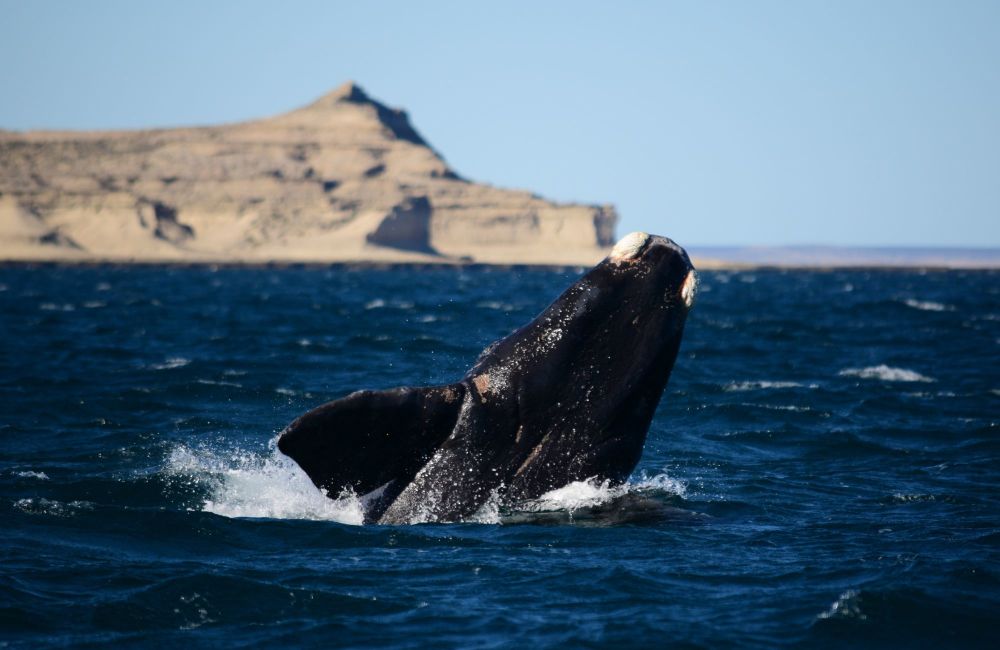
{"x": 529, "y": 256}
{"x": 699, "y": 263}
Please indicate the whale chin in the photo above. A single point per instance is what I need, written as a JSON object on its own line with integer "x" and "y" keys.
{"x": 567, "y": 397}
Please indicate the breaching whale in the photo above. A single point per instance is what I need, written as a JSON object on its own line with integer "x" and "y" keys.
{"x": 565, "y": 398}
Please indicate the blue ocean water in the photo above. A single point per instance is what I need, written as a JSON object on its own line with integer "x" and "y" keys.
{"x": 826, "y": 457}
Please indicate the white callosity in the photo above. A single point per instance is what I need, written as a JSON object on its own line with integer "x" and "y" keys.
{"x": 628, "y": 247}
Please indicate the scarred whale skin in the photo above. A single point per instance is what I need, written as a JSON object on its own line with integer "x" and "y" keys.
{"x": 567, "y": 397}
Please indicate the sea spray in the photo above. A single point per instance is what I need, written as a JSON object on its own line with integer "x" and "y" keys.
{"x": 237, "y": 483}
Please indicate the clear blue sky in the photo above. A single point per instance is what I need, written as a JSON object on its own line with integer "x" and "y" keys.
{"x": 835, "y": 122}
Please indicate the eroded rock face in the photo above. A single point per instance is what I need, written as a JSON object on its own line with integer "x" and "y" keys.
{"x": 343, "y": 179}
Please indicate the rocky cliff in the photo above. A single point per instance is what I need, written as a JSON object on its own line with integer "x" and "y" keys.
{"x": 343, "y": 179}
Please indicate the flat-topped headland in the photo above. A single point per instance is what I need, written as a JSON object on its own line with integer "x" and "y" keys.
{"x": 344, "y": 179}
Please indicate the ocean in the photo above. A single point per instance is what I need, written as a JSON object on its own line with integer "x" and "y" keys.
{"x": 825, "y": 466}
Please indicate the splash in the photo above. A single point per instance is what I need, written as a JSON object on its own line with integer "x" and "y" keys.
{"x": 581, "y": 495}
{"x": 244, "y": 484}
{"x": 885, "y": 373}
{"x": 236, "y": 483}
{"x": 847, "y": 605}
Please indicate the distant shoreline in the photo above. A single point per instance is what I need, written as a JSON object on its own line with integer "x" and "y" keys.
{"x": 816, "y": 256}
{"x": 700, "y": 264}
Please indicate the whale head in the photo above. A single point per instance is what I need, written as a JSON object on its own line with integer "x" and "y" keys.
{"x": 584, "y": 378}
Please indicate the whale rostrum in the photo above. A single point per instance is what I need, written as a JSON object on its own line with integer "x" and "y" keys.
{"x": 567, "y": 397}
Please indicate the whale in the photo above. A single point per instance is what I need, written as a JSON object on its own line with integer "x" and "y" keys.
{"x": 567, "y": 397}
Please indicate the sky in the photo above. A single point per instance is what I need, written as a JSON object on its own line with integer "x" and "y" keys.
{"x": 714, "y": 123}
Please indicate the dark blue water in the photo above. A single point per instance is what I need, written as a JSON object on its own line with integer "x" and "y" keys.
{"x": 826, "y": 458}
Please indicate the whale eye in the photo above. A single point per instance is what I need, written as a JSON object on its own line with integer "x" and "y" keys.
{"x": 629, "y": 246}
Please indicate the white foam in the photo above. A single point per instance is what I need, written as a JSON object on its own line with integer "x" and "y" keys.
{"x": 243, "y": 484}
{"x": 41, "y": 506}
{"x": 41, "y": 476}
{"x": 213, "y": 382}
{"x": 494, "y": 304}
{"x": 885, "y": 373}
{"x": 740, "y": 386}
{"x": 171, "y": 363}
{"x": 847, "y": 605}
{"x": 592, "y": 493}
{"x": 927, "y": 305}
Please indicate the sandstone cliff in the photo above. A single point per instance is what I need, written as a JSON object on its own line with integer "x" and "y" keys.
{"x": 343, "y": 179}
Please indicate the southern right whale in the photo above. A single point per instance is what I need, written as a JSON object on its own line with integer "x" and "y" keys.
{"x": 567, "y": 397}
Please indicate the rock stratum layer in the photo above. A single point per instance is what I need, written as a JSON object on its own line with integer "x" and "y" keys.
{"x": 345, "y": 179}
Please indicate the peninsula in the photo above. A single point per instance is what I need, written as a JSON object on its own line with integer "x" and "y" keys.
{"x": 344, "y": 179}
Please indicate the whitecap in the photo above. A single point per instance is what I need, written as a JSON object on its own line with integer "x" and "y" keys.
{"x": 778, "y": 407}
{"x": 493, "y": 304}
{"x": 884, "y": 373}
{"x": 378, "y": 303}
{"x": 740, "y": 386}
{"x": 927, "y": 305}
{"x": 848, "y": 605}
{"x": 171, "y": 363}
{"x": 243, "y": 484}
{"x": 42, "y": 506}
{"x": 41, "y": 476}
{"x": 212, "y": 382}
{"x": 51, "y": 306}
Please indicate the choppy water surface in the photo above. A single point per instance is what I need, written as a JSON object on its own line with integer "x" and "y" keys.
{"x": 823, "y": 469}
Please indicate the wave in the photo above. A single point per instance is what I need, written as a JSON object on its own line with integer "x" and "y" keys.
{"x": 51, "y": 507}
{"x": 243, "y": 484}
{"x": 884, "y": 373}
{"x": 740, "y": 386}
{"x": 41, "y": 476}
{"x": 927, "y": 305}
{"x": 497, "y": 305}
{"x": 51, "y": 306}
{"x": 170, "y": 364}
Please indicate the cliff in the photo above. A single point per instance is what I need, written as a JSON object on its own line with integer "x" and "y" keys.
{"x": 343, "y": 179}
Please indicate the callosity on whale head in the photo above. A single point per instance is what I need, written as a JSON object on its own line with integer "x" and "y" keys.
{"x": 567, "y": 397}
